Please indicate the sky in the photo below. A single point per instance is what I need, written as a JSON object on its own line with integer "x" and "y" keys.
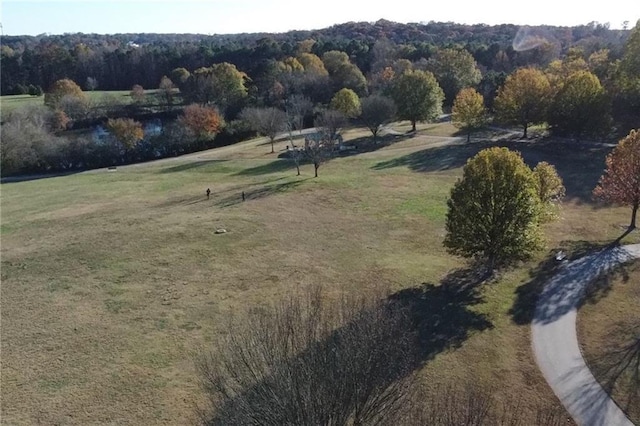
{"x": 20, "y": 17}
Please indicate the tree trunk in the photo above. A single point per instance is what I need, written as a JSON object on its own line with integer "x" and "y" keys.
{"x": 524, "y": 136}
{"x": 298, "y": 169}
{"x": 634, "y": 213}
{"x": 491, "y": 262}
{"x": 272, "y": 151}
{"x": 413, "y": 125}
{"x": 316, "y": 166}
{"x": 468, "y": 137}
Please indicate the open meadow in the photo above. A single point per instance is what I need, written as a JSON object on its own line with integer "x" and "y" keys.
{"x": 111, "y": 280}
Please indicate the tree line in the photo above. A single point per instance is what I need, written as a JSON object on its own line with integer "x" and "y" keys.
{"x": 117, "y": 62}
{"x": 579, "y": 96}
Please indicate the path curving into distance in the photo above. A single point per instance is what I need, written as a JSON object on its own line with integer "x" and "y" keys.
{"x": 555, "y": 342}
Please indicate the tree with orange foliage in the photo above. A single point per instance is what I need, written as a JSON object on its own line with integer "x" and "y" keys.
{"x": 201, "y": 121}
{"x": 126, "y": 131}
{"x": 59, "y": 120}
{"x": 60, "y": 89}
{"x": 620, "y": 182}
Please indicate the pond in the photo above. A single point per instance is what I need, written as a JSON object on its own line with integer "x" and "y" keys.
{"x": 153, "y": 127}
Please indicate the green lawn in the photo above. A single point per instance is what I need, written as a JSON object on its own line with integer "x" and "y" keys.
{"x": 110, "y": 280}
{"x": 11, "y": 102}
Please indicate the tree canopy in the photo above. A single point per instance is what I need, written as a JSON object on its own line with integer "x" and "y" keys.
{"x": 60, "y": 89}
{"x": 347, "y": 102}
{"x": 468, "y": 112}
{"x": 627, "y": 81}
{"x": 580, "y": 108}
{"x": 550, "y": 188}
{"x": 201, "y": 121}
{"x": 494, "y": 209}
{"x": 221, "y": 84}
{"x": 524, "y": 98}
{"x": 343, "y": 73}
{"x": 620, "y": 183}
{"x": 376, "y": 111}
{"x": 454, "y": 70}
{"x": 126, "y": 131}
{"x": 417, "y": 96}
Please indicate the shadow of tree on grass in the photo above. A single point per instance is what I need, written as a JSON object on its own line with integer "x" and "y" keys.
{"x": 291, "y": 365}
{"x": 562, "y": 282}
{"x": 434, "y": 159}
{"x": 440, "y": 313}
{"x": 618, "y": 366}
{"x": 366, "y": 144}
{"x": 580, "y": 166}
{"x": 257, "y": 193}
{"x": 275, "y": 166}
{"x": 189, "y": 166}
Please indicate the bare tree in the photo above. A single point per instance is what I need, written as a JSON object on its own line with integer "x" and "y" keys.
{"x": 321, "y": 146}
{"x": 350, "y": 361}
{"x": 75, "y": 108}
{"x": 296, "y": 154}
{"x": 298, "y": 107}
{"x": 28, "y": 143}
{"x": 318, "y": 148}
{"x": 266, "y": 121}
{"x": 91, "y": 84}
{"x": 166, "y": 91}
{"x": 309, "y": 362}
{"x": 471, "y": 404}
{"x": 137, "y": 94}
{"x": 329, "y": 122}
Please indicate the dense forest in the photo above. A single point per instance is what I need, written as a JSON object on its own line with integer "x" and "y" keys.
{"x": 582, "y": 82}
{"x": 119, "y": 61}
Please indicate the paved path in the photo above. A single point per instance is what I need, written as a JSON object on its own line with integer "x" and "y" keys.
{"x": 555, "y": 343}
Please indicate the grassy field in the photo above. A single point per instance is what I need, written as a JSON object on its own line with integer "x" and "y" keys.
{"x": 609, "y": 329}
{"x": 110, "y": 280}
{"x": 11, "y": 102}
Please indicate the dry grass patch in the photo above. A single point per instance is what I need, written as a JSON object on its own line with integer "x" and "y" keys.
{"x": 110, "y": 281}
{"x": 609, "y": 334}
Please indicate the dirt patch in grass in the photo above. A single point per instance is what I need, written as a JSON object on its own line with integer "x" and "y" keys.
{"x": 609, "y": 334}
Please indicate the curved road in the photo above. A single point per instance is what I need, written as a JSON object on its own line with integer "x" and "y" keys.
{"x": 555, "y": 343}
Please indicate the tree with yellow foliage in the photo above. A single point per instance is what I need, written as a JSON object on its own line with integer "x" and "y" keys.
{"x": 347, "y": 102}
{"x": 469, "y": 112}
{"x": 524, "y": 98}
{"x": 580, "y": 108}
